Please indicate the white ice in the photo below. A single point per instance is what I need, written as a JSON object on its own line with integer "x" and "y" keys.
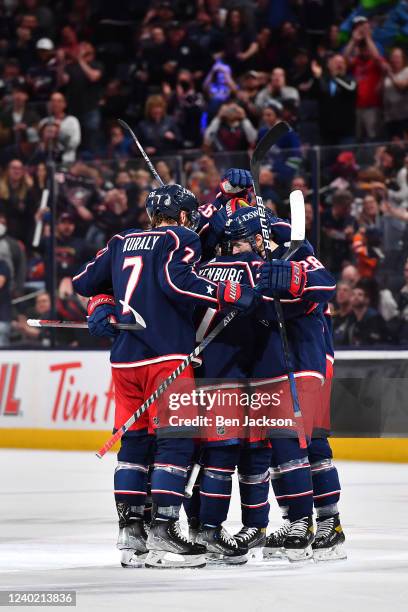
{"x": 58, "y": 531}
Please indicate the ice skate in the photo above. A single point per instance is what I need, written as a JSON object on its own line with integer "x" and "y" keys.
{"x": 298, "y": 541}
{"x": 132, "y": 544}
{"x": 168, "y": 548}
{"x": 273, "y": 548}
{"x": 222, "y": 548}
{"x": 328, "y": 544}
{"x": 254, "y": 538}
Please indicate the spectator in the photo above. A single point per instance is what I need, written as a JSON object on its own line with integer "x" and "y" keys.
{"x": 70, "y": 250}
{"x": 45, "y": 75}
{"x": 338, "y": 227}
{"x": 153, "y": 57}
{"x": 84, "y": 75}
{"x": 13, "y": 254}
{"x": 186, "y": 106}
{"x": 165, "y": 173}
{"x": 22, "y": 46}
{"x": 33, "y": 335}
{"x": 16, "y": 201}
{"x": 309, "y": 221}
{"x": 69, "y": 130}
{"x": 219, "y": 86}
{"x": 205, "y": 35}
{"x": 239, "y": 43}
{"x": 230, "y": 130}
{"x": 111, "y": 215}
{"x": 78, "y": 195}
{"x": 276, "y": 90}
{"x": 367, "y": 66}
{"x": 286, "y": 156}
{"x": 181, "y": 53}
{"x": 368, "y": 251}
{"x": 336, "y": 93}
{"x": 48, "y": 147}
{"x": 23, "y": 149}
{"x": 299, "y": 182}
{"x": 301, "y": 75}
{"x": 396, "y": 94}
{"x": 370, "y": 212}
{"x": 119, "y": 146}
{"x": 342, "y": 311}
{"x": 350, "y": 275}
{"x": 158, "y": 132}
{"x": 265, "y": 57}
{"x": 5, "y": 303}
{"x": 43, "y": 14}
{"x": 364, "y": 326}
{"x": 11, "y": 76}
{"x": 246, "y": 95}
{"x": 69, "y": 47}
{"x": 18, "y": 118}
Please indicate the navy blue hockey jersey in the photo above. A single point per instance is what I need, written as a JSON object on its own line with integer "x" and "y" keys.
{"x": 305, "y": 324}
{"x": 231, "y": 354}
{"x": 152, "y": 271}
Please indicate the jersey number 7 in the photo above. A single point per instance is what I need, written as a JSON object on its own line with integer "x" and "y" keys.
{"x": 136, "y": 263}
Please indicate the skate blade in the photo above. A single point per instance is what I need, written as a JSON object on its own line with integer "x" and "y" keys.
{"x": 162, "y": 559}
{"x": 218, "y": 559}
{"x": 335, "y": 553}
{"x": 298, "y": 556}
{"x": 130, "y": 559}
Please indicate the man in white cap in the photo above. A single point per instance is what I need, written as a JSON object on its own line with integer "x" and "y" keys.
{"x": 44, "y": 76}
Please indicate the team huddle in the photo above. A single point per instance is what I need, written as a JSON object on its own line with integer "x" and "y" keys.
{"x": 195, "y": 265}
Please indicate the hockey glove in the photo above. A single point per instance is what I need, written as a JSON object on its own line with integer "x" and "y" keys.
{"x": 101, "y": 313}
{"x": 278, "y": 275}
{"x": 233, "y": 296}
{"x": 236, "y": 182}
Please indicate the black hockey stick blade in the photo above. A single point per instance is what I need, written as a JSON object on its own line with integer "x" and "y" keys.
{"x": 271, "y": 138}
{"x": 267, "y": 142}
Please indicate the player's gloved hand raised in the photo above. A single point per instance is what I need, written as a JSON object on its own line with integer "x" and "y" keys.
{"x": 233, "y": 296}
{"x": 278, "y": 275}
{"x": 236, "y": 182}
{"x": 101, "y": 313}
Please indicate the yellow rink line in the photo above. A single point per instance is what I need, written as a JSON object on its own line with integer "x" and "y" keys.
{"x": 359, "y": 449}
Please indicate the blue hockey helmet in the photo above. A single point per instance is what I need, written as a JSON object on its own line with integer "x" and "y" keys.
{"x": 244, "y": 224}
{"x": 170, "y": 200}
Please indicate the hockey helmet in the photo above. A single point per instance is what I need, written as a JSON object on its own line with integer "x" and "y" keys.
{"x": 169, "y": 200}
{"x": 244, "y": 224}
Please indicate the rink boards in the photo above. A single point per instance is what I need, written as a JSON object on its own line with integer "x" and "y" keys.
{"x": 65, "y": 400}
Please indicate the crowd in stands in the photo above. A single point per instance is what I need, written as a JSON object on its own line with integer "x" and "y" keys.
{"x": 200, "y": 82}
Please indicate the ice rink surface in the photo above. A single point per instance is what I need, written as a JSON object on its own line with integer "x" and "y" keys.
{"x": 58, "y": 531}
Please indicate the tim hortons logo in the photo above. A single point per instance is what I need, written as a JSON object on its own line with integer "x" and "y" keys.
{"x": 9, "y": 404}
{"x": 72, "y": 404}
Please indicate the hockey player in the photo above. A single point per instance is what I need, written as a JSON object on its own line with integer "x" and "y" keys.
{"x": 229, "y": 358}
{"x": 291, "y": 469}
{"x": 152, "y": 272}
{"x": 329, "y": 539}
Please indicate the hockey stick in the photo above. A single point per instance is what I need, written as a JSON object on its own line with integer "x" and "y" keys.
{"x": 297, "y": 237}
{"x": 152, "y": 169}
{"x": 264, "y": 145}
{"x": 82, "y": 324}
